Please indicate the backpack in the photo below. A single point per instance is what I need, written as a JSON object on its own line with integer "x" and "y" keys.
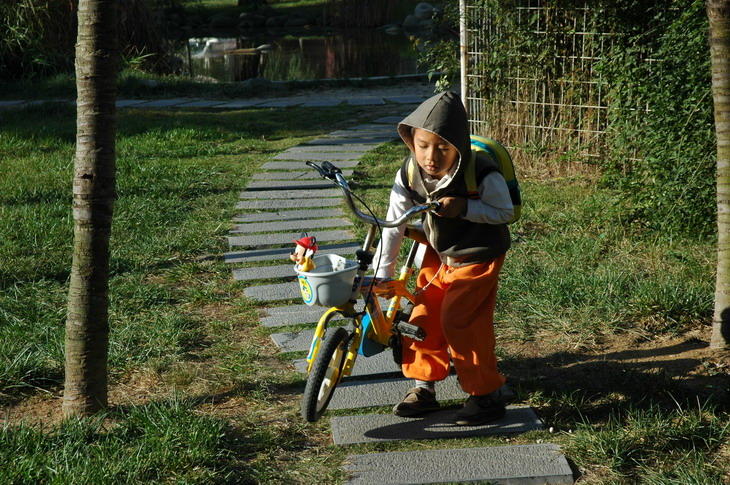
{"x": 494, "y": 150}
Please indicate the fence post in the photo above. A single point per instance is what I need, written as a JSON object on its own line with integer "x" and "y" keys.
{"x": 463, "y": 52}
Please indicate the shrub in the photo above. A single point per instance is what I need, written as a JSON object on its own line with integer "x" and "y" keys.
{"x": 37, "y": 37}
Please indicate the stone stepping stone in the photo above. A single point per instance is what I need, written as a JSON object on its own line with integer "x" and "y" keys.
{"x": 375, "y": 365}
{"x": 289, "y": 204}
{"x": 264, "y": 272}
{"x": 165, "y": 103}
{"x": 202, "y": 104}
{"x": 292, "y": 184}
{"x": 301, "y": 165}
{"x": 350, "y": 430}
{"x": 371, "y": 141}
{"x": 294, "y": 341}
{"x": 247, "y": 103}
{"x": 322, "y": 103}
{"x": 331, "y": 148}
{"x": 365, "y": 101}
{"x": 378, "y": 127}
{"x": 515, "y": 465}
{"x": 291, "y": 314}
{"x": 264, "y": 240}
{"x": 130, "y": 102}
{"x": 291, "y": 194}
{"x": 281, "y": 103}
{"x": 391, "y": 120}
{"x": 276, "y": 292}
{"x": 9, "y": 103}
{"x": 377, "y": 131}
{"x": 305, "y": 156}
{"x": 288, "y": 215}
{"x": 354, "y": 394}
{"x": 406, "y": 99}
{"x": 288, "y": 175}
{"x": 294, "y": 225}
{"x": 351, "y": 138}
{"x": 282, "y": 254}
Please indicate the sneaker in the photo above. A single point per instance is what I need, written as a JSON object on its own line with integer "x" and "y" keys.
{"x": 417, "y": 401}
{"x": 479, "y": 410}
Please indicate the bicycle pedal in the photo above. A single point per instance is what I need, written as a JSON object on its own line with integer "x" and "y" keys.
{"x": 411, "y": 331}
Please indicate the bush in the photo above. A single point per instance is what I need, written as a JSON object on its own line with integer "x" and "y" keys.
{"x": 37, "y": 37}
{"x": 662, "y": 139}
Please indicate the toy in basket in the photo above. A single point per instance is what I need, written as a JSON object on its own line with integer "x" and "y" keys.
{"x": 305, "y": 248}
{"x": 324, "y": 280}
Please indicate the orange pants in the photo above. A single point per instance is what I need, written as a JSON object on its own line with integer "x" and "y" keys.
{"x": 457, "y": 313}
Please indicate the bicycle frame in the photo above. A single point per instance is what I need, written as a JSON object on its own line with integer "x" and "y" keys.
{"x": 381, "y": 323}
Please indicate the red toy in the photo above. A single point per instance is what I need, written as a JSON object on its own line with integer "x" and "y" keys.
{"x": 302, "y": 254}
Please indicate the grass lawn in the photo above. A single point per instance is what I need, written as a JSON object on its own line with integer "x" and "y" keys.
{"x": 602, "y": 327}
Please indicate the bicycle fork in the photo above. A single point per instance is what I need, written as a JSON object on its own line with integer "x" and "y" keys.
{"x": 354, "y": 340}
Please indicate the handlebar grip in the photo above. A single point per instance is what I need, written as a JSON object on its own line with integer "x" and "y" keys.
{"x": 327, "y": 170}
{"x": 316, "y": 167}
{"x": 330, "y": 167}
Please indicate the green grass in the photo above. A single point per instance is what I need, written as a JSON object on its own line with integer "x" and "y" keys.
{"x": 179, "y": 174}
{"x": 199, "y": 393}
{"x": 159, "y": 442}
{"x": 651, "y": 445}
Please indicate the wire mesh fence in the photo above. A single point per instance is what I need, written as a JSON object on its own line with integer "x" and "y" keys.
{"x": 532, "y": 78}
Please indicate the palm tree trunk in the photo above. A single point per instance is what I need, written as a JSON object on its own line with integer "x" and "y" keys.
{"x": 718, "y": 13}
{"x": 87, "y": 325}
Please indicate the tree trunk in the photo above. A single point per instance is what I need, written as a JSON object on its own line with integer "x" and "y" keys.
{"x": 87, "y": 325}
{"x": 718, "y": 13}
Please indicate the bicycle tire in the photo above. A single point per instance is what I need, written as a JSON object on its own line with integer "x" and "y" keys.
{"x": 325, "y": 374}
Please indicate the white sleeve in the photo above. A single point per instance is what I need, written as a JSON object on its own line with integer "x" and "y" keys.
{"x": 386, "y": 254}
{"x": 494, "y": 205}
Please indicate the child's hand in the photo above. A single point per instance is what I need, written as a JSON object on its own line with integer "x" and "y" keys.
{"x": 452, "y": 207}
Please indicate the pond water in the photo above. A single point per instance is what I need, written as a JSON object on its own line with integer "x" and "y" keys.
{"x": 337, "y": 55}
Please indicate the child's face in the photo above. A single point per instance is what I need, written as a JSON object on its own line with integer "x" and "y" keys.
{"x": 434, "y": 155}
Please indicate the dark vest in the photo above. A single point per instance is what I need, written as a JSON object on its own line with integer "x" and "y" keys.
{"x": 459, "y": 241}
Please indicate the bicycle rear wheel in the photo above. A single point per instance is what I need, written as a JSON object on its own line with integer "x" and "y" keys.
{"x": 325, "y": 374}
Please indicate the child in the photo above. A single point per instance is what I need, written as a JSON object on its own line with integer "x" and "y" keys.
{"x": 468, "y": 239}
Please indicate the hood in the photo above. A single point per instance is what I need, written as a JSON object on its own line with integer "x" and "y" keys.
{"x": 443, "y": 114}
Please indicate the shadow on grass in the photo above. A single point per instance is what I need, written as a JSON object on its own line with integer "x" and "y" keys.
{"x": 574, "y": 385}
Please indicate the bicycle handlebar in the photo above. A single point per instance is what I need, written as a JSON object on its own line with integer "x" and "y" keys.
{"x": 330, "y": 172}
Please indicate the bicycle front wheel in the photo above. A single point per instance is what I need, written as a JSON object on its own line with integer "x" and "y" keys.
{"x": 325, "y": 374}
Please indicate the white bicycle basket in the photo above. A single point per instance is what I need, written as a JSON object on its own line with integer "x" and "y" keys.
{"x": 329, "y": 283}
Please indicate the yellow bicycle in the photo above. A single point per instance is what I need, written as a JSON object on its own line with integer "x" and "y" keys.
{"x": 339, "y": 284}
